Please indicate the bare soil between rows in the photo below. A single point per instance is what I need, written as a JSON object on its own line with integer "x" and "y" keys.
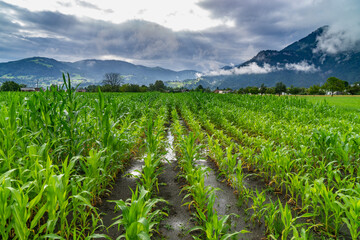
{"x": 179, "y": 220}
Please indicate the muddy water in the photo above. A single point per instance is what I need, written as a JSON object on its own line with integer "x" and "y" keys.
{"x": 226, "y": 203}
{"x": 178, "y": 222}
{"x": 122, "y": 191}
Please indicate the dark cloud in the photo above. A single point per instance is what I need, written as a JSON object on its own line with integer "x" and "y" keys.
{"x": 258, "y": 26}
{"x": 281, "y": 22}
{"x": 54, "y": 34}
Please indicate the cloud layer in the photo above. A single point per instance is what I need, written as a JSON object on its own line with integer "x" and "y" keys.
{"x": 254, "y": 68}
{"x": 243, "y": 28}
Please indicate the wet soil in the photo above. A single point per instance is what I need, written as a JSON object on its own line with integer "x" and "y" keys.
{"x": 121, "y": 190}
{"x": 227, "y": 203}
{"x": 179, "y": 218}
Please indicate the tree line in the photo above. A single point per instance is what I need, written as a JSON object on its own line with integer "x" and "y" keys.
{"x": 331, "y": 86}
{"x": 114, "y": 82}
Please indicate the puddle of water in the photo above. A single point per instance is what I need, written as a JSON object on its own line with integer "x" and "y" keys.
{"x": 226, "y": 203}
{"x": 135, "y": 170}
{"x": 170, "y": 153}
{"x": 175, "y": 226}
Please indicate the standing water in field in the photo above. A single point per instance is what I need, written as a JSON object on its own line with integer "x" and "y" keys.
{"x": 227, "y": 203}
{"x": 178, "y": 222}
{"x": 121, "y": 190}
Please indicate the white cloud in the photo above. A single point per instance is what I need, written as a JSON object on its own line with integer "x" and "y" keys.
{"x": 254, "y": 68}
{"x": 301, "y": 67}
{"x": 176, "y": 15}
{"x": 339, "y": 39}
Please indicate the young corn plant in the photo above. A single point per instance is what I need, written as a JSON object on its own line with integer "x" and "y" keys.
{"x": 96, "y": 169}
{"x": 272, "y": 220}
{"x": 351, "y": 207}
{"x": 231, "y": 160}
{"x": 152, "y": 161}
{"x": 150, "y": 172}
{"x": 137, "y": 216}
{"x": 214, "y": 227}
{"x": 288, "y": 222}
{"x": 190, "y": 152}
{"x": 258, "y": 206}
{"x": 197, "y": 189}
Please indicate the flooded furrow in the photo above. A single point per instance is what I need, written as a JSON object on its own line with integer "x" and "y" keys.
{"x": 121, "y": 190}
{"x": 227, "y": 203}
{"x": 178, "y": 221}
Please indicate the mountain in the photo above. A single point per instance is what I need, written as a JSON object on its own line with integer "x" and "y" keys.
{"x": 47, "y": 71}
{"x": 138, "y": 74}
{"x": 300, "y": 64}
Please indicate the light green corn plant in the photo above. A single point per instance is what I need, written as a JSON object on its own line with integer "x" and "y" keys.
{"x": 231, "y": 160}
{"x": 196, "y": 188}
{"x": 137, "y": 216}
{"x": 152, "y": 161}
{"x": 288, "y": 222}
{"x": 351, "y": 207}
{"x": 190, "y": 152}
{"x": 96, "y": 169}
{"x": 258, "y": 206}
{"x": 150, "y": 172}
{"x": 273, "y": 223}
{"x": 214, "y": 227}
{"x": 5, "y": 206}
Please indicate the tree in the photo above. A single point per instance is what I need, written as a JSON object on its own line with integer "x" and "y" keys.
{"x": 10, "y": 86}
{"x": 270, "y": 90}
{"x": 334, "y": 84}
{"x": 280, "y": 88}
{"x": 262, "y": 89}
{"x": 92, "y": 88}
{"x": 112, "y": 81}
{"x": 294, "y": 90}
{"x": 252, "y": 90}
{"x": 199, "y": 88}
{"x": 157, "y": 86}
{"x": 241, "y": 91}
{"x": 354, "y": 89}
{"x": 314, "y": 90}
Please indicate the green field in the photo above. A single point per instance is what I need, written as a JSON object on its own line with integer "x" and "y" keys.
{"x": 162, "y": 165}
{"x": 345, "y": 102}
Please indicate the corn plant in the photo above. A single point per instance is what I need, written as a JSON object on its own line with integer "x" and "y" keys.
{"x": 213, "y": 226}
{"x": 288, "y": 223}
{"x": 351, "y": 207}
{"x": 137, "y": 216}
{"x": 258, "y": 205}
{"x": 196, "y": 188}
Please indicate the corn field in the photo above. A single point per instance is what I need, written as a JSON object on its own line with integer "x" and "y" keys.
{"x": 292, "y": 166}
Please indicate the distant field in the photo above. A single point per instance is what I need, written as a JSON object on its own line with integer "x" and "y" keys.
{"x": 346, "y": 102}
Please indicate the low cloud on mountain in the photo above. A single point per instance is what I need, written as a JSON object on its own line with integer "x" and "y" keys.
{"x": 254, "y": 68}
{"x": 339, "y": 39}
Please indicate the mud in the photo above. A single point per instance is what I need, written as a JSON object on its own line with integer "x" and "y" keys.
{"x": 178, "y": 221}
{"x": 121, "y": 190}
{"x": 227, "y": 202}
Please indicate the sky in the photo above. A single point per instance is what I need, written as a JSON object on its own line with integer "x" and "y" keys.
{"x": 202, "y": 35}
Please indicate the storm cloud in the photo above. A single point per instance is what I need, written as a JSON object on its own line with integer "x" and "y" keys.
{"x": 281, "y": 22}
{"x": 256, "y": 26}
{"x": 59, "y": 35}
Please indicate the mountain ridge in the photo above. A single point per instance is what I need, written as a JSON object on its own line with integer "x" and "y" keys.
{"x": 300, "y": 63}
{"x": 88, "y": 71}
